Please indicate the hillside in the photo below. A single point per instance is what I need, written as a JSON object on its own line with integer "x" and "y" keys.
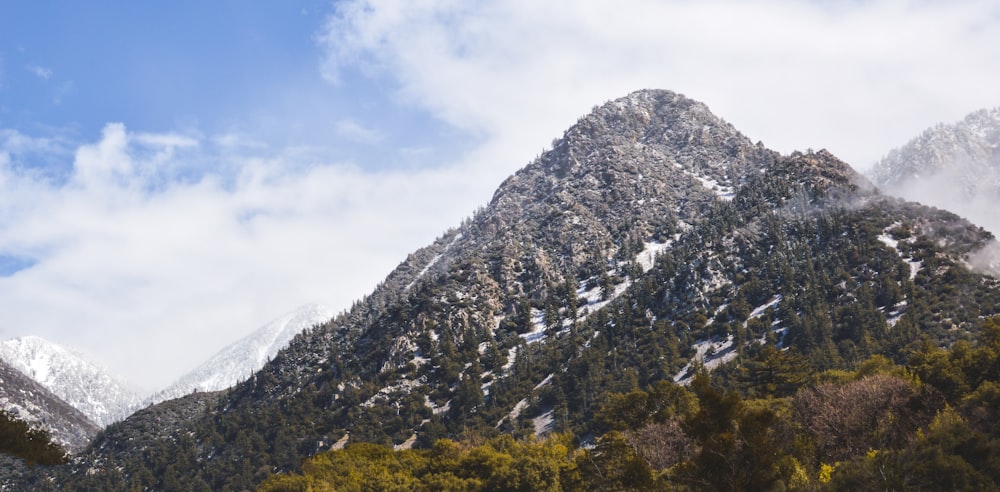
{"x": 27, "y": 400}
{"x": 651, "y": 240}
{"x": 102, "y": 396}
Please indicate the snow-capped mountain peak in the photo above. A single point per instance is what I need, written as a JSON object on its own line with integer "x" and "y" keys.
{"x": 70, "y": 375}
{"x": 240, "y": 359}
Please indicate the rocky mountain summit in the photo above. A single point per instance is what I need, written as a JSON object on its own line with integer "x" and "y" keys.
{"x": 653, "y": 241}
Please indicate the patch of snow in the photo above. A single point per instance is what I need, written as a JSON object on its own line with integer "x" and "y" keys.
{"x": 342, "y": 442}
{"x": 544, "y": 423}
{"x": 431, "y": 263}
{"x": 407, "y": 444}
{"x": 897, "y": 312}
{"x": 515, "y": 412}
{"x": 722, "y": 352}
{"x": 520, "y": 406}
{"x": 547, "y": 380}
{"x": 889, "y": 241}
{"x": 511, "y": 356}
{"x": 436, "y": 409}
{"x": 647, "y": 257}
{"x": 593, "y": 298}
{"x": 886, "y": 239}
{"x": 403, "y": 385}
{"x": 537, "y": 332}
{"x": 759, "y": 310}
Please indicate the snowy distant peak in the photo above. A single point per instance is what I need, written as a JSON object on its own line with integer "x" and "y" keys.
{"x": 967, "y": 152}
{"x": 955, "y": 167}
{"x": 240, "y": 359}
{"x": 67, "y": 373}
{"x": 272, "y": 337}
{"x": 31, "y": 402}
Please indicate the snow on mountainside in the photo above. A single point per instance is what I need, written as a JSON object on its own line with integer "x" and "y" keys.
{"x": 238, "y": 361}
{"x": 88, "y": 387}
{"x": 31, "y": 402}
{"x": 955, "y": 167}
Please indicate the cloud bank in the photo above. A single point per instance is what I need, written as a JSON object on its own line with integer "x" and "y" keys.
{"x": 854, "y": 77}
{"x": 152, "y": 262}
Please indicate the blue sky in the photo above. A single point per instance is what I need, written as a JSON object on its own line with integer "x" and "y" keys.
{"x": 202, "y": 68}
{"x": 178, "y": 171}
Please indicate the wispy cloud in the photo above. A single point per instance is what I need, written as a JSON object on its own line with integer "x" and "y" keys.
{"x": 353, "y": 131}
{"x": 156, "y": 274}
{"x": 40, "y": 71}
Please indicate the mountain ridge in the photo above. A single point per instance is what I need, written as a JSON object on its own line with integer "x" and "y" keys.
{"x": 651, "y": 230}
{"x": 87, "y": 386}
{"x": 239, "y": 360}
{"x": 28, "y": 400}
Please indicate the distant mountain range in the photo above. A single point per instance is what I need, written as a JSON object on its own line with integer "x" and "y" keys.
{"x": 62, "y": 391}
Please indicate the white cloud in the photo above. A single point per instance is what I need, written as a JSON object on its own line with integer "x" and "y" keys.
{"x": 40, "y": 71}
{"x": 353, "y": 131}
{"x": 855, "y": 77}
{"x": 153, "y": 277}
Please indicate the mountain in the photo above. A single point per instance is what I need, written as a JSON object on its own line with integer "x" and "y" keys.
{"x": 88, "y": 387}
{"x": 955, "y": 167}
{"x": 29, "y": 401}
{"x": 652, "y": 240}
{"x": 238, "y": 361}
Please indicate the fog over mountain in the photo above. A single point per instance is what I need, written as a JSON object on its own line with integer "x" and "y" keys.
{"x": 951, "y": 166}
{"x": 954, "y": 167}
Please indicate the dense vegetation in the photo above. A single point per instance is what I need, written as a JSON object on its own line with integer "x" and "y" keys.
{"x": 448, "y": 360}
{"x": 931, "y": 424}
{"x": 34, "y": 446}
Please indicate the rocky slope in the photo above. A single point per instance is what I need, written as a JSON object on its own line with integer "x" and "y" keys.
{"x": 653, "y": 239}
